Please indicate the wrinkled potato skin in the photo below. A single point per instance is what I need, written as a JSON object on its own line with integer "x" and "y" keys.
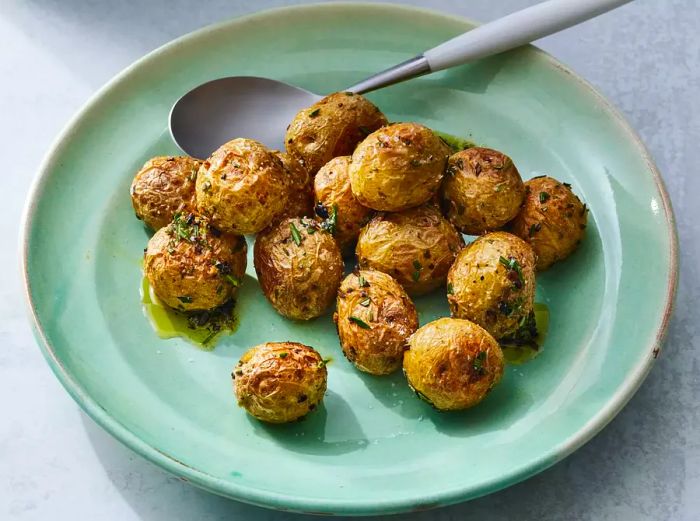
{"x": 482, "y": 289}
{"x": 242, "y": 187}
{"x": 554, "y": 227}
{"x": 280, "y": 382}
{"x": 390, "y": 314}
{"x": 332, "y": 187}
{"x": 394, "y": 242}
{"x": 163, "y": 187}
{"x": 300, "y": 197}
{"x": 178, "y": 267}
{"x": 330, "y": 128}
{"x": 398, "y": 167}
{"x": 441, "y": 363}
{"x": 300, "y": 281}
{"x": 482, "y": 190}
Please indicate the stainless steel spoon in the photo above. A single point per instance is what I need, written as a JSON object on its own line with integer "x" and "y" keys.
{"x": 261, "y": 108}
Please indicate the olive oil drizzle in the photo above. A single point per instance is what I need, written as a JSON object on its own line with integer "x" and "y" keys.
{"x": 518, "y": 354}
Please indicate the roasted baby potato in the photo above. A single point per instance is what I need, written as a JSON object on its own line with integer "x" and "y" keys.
{"x": 280, "y": 382}
{"x": 374, "y": 318}
{"x": 552, "y": 219}
{"x": 334, "y": 198}
{"x": 482, "y": 190}
{"x": 492, "y": 283}
{"x": 299, "y": 267}
{"x": 193, "y": 266}
{"x": 242, "y": 187}
{"x": 398, "y": 167}
{"x": 416, "y": 247}
{"x": 452, "y": 363}
{"x": 163, "y": 187}
{"x": 300, "y": 198}
{"x": 330, "y": 128}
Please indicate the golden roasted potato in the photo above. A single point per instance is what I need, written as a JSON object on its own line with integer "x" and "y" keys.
{"x": 242, "y": 187}
{"x": 193, "y": 266}
{"x": 299, "y": 267}
{"x": 452, "y": 363}
{"x": 280, "y": 382}
{"x": 300, "y": 198}
{"x": 416, "y": 247}
{"x": 552, "y": 219}
{"x": 398, "y": 167}
{"x": 492, "y": 283}
{"x": 330, "y": 128}
{"x": 163, "y": 187}
{"x": 333, "y": 196}
{"x": 374, "y": 318}
{"x": 481, "y": 191}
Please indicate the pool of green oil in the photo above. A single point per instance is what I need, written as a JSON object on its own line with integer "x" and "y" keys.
{"x": 519, "y": 354}
{"x": 203, "y": 329}
{"x": 454, "y": 142}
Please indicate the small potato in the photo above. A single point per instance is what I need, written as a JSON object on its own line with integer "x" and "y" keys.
{"x": 163, "y": 187}
{"x": 334, "y": 195}
{"x": 552, "y": 219}
{"x": 192, "y": 266}
{"x": 492, "y": 283}
{"x": 452, "y": 363}
{"x": 280, "y": 382}
{"x": 300, "y": 197}
{"x": 299, "y": 267}
{"x": 242, "y": 187}
{"x": 330, "y": 128}
{"x": 375, "y": 316}
{"x": 482, "y": 190}
{"x": 416, "y": 247}
{"x": 398, "y": 167}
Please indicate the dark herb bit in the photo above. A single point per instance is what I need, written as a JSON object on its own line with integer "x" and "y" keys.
{"x": 450, "y": 289}
{"x": 210, "y": 337}
{"x": 360, "y": 322}
{"x": 478, "y": 364}
{"x": 512, "y": 264}
{"x": 525, "y": 335}
{"x": 505, "y": 308}
{"x": 323, "y": 363}
{"x": 185, "y": 299}
{"x": 302, "y": 398}
{"x": 417, "y": 266}
{"x": 233, "y": 280}
{"x": 544, "y": 197}
{"x": 365, "y": 131}
{"x": 186, "y": 227}
{"x": 223, "y": 267}
{"x": 568, "y": 185}
{"x": 282, "y": 355}
{"x": 206, "y": 186}
{"x": 314, "y": 113}
{"x": 296, "y": 236}
{"x": 238, "y": 372}
{"x": 362, "y": 281}
{"x": 584, "y": 210}
{"x": 534, "y": 228}
{"x": 366, "y": 302}
{"x": 331, "y": 223}
{"x": 321, "y": 210}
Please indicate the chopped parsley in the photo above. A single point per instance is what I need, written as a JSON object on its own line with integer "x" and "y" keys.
{"x": 450, "y": 289}
{"x": 362, "y": 281}
{"x": 314, "y": 113}
{"x": 512, "y": 265}
{"x": 185, "y": 299}
{"x": 534, "y": 228}
{"x": 360, "y": 322}
{"x": 296, "y": 236}
{"x": 544, "y": 197}
{"x": 233, "y": 280}
{"x": 331, "y": 222}
{"x": 282, "y": 355}
{"x": 417, "y": 266}
{"x": 478, "y": 364}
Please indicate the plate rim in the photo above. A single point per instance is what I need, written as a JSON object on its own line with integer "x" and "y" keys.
{"x": 284, "y": 502}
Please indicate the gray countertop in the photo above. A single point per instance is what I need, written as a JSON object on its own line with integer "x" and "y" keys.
{"x": 55, "y": 463}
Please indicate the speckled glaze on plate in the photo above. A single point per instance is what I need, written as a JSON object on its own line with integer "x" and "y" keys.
{"x": 373, "y": 447}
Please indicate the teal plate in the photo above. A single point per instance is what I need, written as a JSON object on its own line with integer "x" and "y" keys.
{"x": 373, "y": 447}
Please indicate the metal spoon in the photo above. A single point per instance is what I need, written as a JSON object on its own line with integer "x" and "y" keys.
{"x": 261, "y": 108}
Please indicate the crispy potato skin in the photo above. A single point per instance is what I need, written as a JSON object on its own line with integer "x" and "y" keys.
{"x": 242, "y": 187}
{"x": 398, "y": 167}
{"x": 416, "y": 247}
{"x": 483, "y": 289}
{"x": 280, "y": 382}
{"x": 163, "y": 187}
{"x": 482, "y": 190}
{"x": 552, "y": 219}
{"x": 190, "y": 273}
{"x": 330, "y": 128}
{"x": 452, "y": 363}
{"x": 389, "y": 313}
{"x": 300, "y": 197}
{"x": 300, "y": 281}
{"x": 332, "y": 188}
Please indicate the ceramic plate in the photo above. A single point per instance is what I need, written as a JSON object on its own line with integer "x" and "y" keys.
{"x": 373, "y": 447}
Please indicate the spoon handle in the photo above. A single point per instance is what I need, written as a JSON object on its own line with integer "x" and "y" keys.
{"x": 494, "y": 37}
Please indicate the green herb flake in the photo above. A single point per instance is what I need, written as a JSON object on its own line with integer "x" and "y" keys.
{"x": 360, "y": 322}
{"x": 331, "y": 223}
{"x": 534, "y": 228}
{"x": 185, "y": 299}
{"x": 450, "y": 289}
{"x": 314, "y": 113}
{"x": 296, "y": 236}
{"x": 282, "y": 355}
{"x": 417, "y": 268}
{"x": 233, "y": 280}
{"x": 512, "y": 264}
{"x": 362, "y": 281}
{"x": 544, "y": 197}
{"x": 364, "y": 130}
{"x": 478, "y": 364}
